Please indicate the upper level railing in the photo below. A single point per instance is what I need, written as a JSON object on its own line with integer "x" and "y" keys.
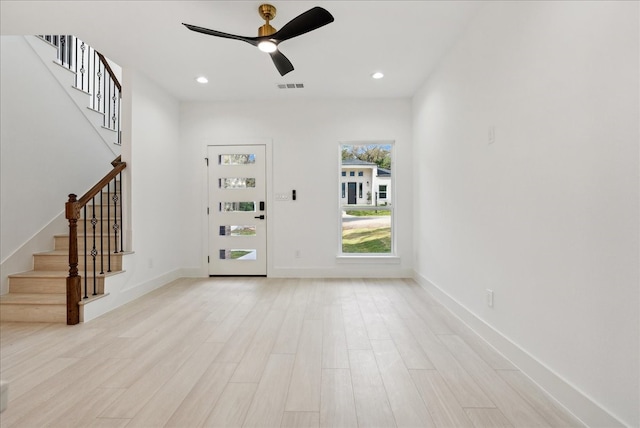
{"x": 94, "y": 75}
{"x": 94, "y": 253}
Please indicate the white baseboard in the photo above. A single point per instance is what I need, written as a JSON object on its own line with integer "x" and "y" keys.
{"x": 568, "y": 396}
{"x": 122, "y": 292}
{"x": 193, "y": 272}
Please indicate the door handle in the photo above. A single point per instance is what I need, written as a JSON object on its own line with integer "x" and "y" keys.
{"x": 261, "y": 217}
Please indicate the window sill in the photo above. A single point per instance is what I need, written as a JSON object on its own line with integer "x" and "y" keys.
{"x": 368, "y": 258}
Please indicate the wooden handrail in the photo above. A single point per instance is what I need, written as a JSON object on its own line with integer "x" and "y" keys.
{"x": 72, "y": 213}
{"x": 100, "y": 185}
{"x": 107, "y": 67}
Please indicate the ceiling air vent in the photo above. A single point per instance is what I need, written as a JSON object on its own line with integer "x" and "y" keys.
{"x": 291, "y": 85}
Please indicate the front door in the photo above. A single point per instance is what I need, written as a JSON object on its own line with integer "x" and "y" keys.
{"x": 352, "y": 194}
{"x": 237, "y": 211}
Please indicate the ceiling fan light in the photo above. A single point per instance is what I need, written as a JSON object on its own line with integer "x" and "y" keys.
{"x": 267, "y": 46}
{"x": 202, "y": 79}
{"x": 377, "y": 75}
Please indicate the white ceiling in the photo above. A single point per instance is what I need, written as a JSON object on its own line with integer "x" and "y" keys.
{"x": 404, "y": 39}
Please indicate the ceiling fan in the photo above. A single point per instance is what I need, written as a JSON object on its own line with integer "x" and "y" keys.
{"x": 268, "y": 38}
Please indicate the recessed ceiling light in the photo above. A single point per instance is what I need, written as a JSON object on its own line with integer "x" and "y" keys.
{"x": 377, "y": 75}
{"x": 202, "y": 79}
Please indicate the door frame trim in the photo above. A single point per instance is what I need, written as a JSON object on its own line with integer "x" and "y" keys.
{"x": 268, "y": 144}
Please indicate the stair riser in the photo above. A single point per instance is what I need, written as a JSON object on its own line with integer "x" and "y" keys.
{"x": 50, "y": 285}
{"x": 37, "y": 285}
{"x": 61, "y": 262}
{"x": 62, "y": 243}
{"x": 34, "y": 313}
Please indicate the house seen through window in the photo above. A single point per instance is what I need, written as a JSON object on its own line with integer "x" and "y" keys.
{"x": 366, "y": 206}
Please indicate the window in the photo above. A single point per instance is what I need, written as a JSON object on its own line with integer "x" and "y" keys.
{"x": 366, "y": 222}
{"x": 344, "y": 173}
{"x": 241, "y": 159}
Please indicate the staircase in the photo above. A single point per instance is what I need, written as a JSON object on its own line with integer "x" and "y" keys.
{"x": 74, "y": 273}
{"x": 89, "y": 80}
{"x": 40, "y": 295}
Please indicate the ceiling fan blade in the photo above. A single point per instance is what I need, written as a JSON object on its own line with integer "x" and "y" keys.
{"x": 281, "y": 62}
{"x": 251, "y": 40}
{"x": 308, "y": 21}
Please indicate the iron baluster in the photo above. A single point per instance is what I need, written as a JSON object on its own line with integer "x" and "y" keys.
{"x": 69, "y": 45}
{"x": 62, "y": 50}
{"x": 116, "y": 226}
{"x": 113, "y": 118}
{"x": 83, "y": 48}
{"x": 99, "y": 90}
{"x": 84, "y": 209}
{"x": 107, "y": 103}
{"x": 108, "y": 229}
{"x": 121, "y": 232}
{"x": 102, "y": 232}
{"x": 75, "y": 62}
{"x": 94, "y": 251}
{"x": 118, "y": 128}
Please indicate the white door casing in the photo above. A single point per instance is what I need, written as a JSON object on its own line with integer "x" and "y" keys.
{"x": 237, "y": 210}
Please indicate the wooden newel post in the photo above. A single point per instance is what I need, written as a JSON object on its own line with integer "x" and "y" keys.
{"x": 72, "y": 212}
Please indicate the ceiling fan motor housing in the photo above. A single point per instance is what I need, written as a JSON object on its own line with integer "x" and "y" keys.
{"x": 266, "y": 30}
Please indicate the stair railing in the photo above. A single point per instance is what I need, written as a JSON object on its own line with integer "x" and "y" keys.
{"x": 94, "y": 75}
{"x": 98, "y": 249}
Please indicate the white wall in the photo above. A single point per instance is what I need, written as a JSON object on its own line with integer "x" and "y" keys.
{"x": 547, "y": 215}
{"x": 304, "y": 136}
{"x": 155, "y": 175}
{"x": 48, "y": 149}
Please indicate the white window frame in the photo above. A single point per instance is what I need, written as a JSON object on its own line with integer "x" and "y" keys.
{"x": 390, "y": 257}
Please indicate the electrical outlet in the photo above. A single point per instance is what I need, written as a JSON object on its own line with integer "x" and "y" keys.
{"x": 490, "y": 298}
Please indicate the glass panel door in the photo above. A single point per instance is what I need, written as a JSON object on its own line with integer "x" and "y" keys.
{"x": 237, "y": 210}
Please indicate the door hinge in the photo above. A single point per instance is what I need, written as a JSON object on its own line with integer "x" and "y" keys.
{"x": 208, "y": 259}
{"x": 207, "y": 210}
{"x": 207, "y": 160}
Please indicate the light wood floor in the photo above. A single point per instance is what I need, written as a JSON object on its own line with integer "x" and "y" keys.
{"x": 259, "y": 352}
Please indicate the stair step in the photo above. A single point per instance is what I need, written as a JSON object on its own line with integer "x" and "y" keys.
{"x": 33, "y": 307}
{"x": 35, "y": 298}
{"x": 38, "y": 282}
{"x": 50, "y": 282}
{"x": 59, "y": 260}
{"x": 61, "y": 242}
